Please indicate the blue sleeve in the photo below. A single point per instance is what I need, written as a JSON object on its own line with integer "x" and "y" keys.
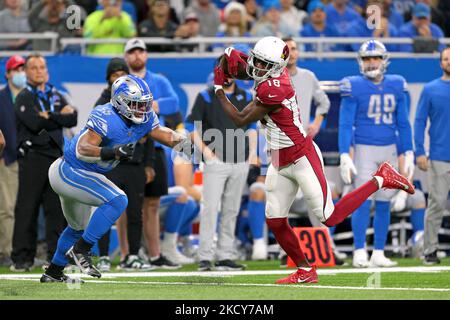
{"x": 97, "y": 123}
{"x": 168, "y": 101}
{"x": 403, "y": 125}
{"x": 347, "y": 114}
{"x": 420, "y": 122}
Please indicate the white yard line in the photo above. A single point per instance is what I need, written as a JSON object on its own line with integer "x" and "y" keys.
{"x": 301, "y": 286}
{"x": 157, "y": 274}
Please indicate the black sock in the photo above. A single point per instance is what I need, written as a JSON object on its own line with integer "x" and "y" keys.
{"x": 54, "y": 270}
{"x": 82, "y": 246}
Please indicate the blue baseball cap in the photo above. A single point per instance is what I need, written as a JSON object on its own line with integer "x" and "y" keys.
{"x": 312, "y": 6}
{"x": 270, "y": 4}
{"x": 421, "y": 10}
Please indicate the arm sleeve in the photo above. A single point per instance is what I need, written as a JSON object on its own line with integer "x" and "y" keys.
{"x": 27, "y": 114}
{"x": 347, "y": 116}
{"x": 320, "y": 98}
{"x": 420, "y": 122}
{"x": 403, "y": 125}
{"x": 168, "y": 101}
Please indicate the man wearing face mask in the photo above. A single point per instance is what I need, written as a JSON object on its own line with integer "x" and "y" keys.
{"x": 16, "y": 79}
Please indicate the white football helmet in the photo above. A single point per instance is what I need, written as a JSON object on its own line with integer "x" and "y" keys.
{"x": 373, "y": 48}
{"x": 132, "y": 98}
{"x": 271, "y": 54}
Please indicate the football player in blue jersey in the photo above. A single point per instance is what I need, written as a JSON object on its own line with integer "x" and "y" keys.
{"x": 78, "y": 178}
{"x": 373, "y": 114}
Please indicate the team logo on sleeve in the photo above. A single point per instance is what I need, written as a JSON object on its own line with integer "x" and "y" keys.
{"x": 98, "y": 124}
{"x": 345, "y": 87}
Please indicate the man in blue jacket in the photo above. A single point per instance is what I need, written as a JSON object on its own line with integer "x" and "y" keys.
{"x": 433, "y": 105}
{"x": 16, "y": 80}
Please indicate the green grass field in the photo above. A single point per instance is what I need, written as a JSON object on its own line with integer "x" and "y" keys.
{"x": 411, "y": 280}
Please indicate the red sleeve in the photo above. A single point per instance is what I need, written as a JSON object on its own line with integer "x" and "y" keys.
{"x": 274, "y": 91}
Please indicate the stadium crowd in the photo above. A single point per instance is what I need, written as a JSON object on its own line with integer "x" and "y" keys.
{"x": 422, "y": 19}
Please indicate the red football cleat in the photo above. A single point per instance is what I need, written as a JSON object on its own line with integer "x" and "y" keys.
{"x": 300, "y": 276}
{"x": 392, "y": 179}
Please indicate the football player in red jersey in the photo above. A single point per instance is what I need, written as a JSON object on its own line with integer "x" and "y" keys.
{"x": 296, "y": 161}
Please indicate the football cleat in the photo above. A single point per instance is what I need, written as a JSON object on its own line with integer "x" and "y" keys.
{"x": 360, "y": 258}
{"x": 300, "y": 276}
{"x": 392, "y": 179}
{"x": 61, "y": 278}
{"x": 229, "y": 265}
{"x": 83, "y": 261}
{"x": 104, "y": 264}
{"x": 134, "y": 263}
{"x": 378, "y": 259}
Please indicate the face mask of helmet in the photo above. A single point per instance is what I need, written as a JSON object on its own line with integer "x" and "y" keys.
{"x": 138, "y": 111}
{"x": 132, "y": 99}
{"x": 261, "y": 69}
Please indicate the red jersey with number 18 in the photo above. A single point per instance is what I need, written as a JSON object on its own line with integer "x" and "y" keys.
{"x": 285, "y": 135}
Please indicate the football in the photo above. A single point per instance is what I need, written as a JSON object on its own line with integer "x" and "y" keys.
{"x": 242, "y": 69}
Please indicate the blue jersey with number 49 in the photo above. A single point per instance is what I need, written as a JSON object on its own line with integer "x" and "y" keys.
{"x": 112, "y": 128}
{"x": 373, "y": 114}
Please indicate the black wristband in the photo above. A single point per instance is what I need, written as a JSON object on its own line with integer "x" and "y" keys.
{"x": 107, "y": 153}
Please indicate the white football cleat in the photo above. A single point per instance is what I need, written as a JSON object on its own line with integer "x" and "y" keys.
{"x": 378, "y": 259}
{"x": 360, "y": 258}
{"x": 259, "y": 251}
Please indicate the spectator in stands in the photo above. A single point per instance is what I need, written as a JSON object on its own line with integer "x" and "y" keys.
{"x": 110, "y": 22}
{"x": 9, "y": 167}
{"x": 207, "y": 14}
{"x": 422, "y": 27}
{"x": 234, "y": 24}
{"x": 340, "y": 16}
{"x": 434, "y": 105}
{"x": 254, "y": 12}
{"x": 38, "y": 106}
{"x": 271, "y": 24}
{"x": 395, "y": 18}
{"x": 165, "y": 102}
{"x": 444, "y": 6}
{"x": 437, "y": 16}
{"x": 385, "y": 29}
{"x": 158, "y": 24}
{"x": 51, "y": 15}
{"x": 14, "y": 19}
{"x": 225, "y": 172}
{"x": 189, "y": 29}
{"x": 318, "y": 27}
{"x": 292, "y": 15}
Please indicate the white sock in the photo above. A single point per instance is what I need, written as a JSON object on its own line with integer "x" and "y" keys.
{"x": 306, "y": 269}
{"x": 379, "y": 180}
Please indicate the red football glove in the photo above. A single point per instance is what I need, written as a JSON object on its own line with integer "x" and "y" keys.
{"x": 219, "y": 78}
{"x": 233, "y": 57}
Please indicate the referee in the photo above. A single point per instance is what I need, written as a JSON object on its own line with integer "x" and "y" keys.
{"x": 39, "y": 106}
{"x": 434, "y": 104}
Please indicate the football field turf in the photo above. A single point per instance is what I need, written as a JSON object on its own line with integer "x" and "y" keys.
{"x": 410, "y": 280}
